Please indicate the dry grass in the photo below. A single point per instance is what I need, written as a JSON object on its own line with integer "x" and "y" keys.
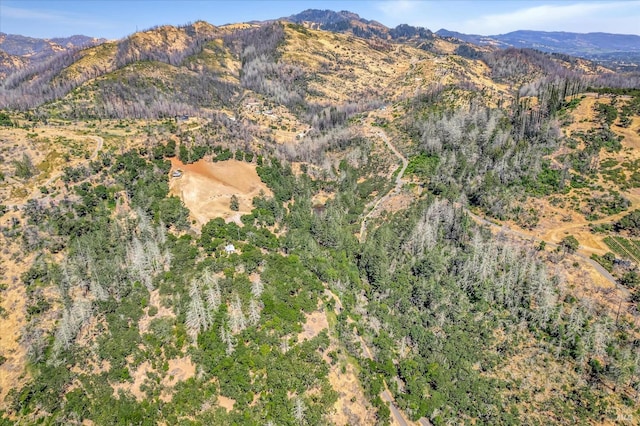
{"x": 346, "y": 67}
{"x": 314, "y": 324}
{"x": 352, "y": 406}
{"x": 163, "y": 312}
{"x": 558, "y": 221}
{"x": 206, "y": 188}
{"x": 226, "y": 403}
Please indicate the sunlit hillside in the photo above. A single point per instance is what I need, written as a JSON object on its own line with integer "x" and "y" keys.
{"x": 323, "y": 221}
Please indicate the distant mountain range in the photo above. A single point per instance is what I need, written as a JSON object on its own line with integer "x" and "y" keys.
{"x": 614, "y": 50}
{"x": 17, "y": 51}
{"x": 601, "y": 47}
{"x": 345, "y": 21}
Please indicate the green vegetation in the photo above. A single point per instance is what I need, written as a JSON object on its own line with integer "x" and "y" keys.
{"x": 422, "y": 165}
{"x": 234, "y": 204}
{"x": 630, "y": 223}
{"x": 607, "y": 261}
{"x": 136, "y": 315}
{"x": 569, "y": 244}
{"x": 24, "y": 168}
{"x": 628, "y": 249}
{"x": 5, "y": 120}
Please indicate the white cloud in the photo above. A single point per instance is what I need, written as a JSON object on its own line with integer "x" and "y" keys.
{"x": 578, "y": 17}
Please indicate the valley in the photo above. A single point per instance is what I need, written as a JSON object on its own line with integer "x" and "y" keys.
{"x": 284, "y": 223}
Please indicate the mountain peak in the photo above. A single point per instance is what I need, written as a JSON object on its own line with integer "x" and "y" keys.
{"x": 324, "y": 17}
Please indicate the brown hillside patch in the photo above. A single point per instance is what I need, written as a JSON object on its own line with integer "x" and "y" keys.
{"x": 139, "y": 376}
{"x": 226, "y": 403}
{"x": 12, "y": 300}
{"x": 163, "y": 312}
{"x": 206, "y": 188}
{"x": 315, "y": 323}
{"x": 180, "y": 369}
{"x": 352, "y": 407}
{"x": 566, "y": 216}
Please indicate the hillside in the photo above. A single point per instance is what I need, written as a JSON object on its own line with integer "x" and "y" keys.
{"x": 322, "y": 221}
{"x": 17, "y": 52}
{"x": 617, "y": 50}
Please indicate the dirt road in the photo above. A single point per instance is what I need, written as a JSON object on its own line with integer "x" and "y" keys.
{"x": 605, "y": 274}
{"x": 396, "y": 189}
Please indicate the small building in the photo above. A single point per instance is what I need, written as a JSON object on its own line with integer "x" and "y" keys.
{"x": 229, "y": 248}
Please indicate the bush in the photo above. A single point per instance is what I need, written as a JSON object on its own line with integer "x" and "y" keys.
{"x": 234, "y": 204}
{"x": 630, "y": 223}
{"x": 5, "y": 120}
{"x": 24, "y": 167}
{"x": 569, "y": 244}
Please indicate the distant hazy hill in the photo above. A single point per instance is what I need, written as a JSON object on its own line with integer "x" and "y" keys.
{"x": 603, "y": 47}
{"x": 17, "y": 51}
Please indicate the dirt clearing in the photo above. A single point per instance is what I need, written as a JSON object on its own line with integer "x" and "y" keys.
{"x": 206, "y": 188}
{"x": 316, "y": 322}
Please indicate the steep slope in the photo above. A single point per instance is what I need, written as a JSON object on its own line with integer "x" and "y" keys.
{"x": 62, "y": 73}
{"x": 351, "y": 23}
{"x": 25, "y": 51}
{"x": 271, "y": 223}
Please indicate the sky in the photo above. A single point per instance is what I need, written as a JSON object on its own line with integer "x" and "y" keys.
{"x": 113, "y": 19}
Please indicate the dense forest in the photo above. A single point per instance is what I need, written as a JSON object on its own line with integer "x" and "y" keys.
{"x": 430, "y": 308}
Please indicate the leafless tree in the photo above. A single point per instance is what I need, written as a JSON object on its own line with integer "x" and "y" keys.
{"x": 228, "y": 339}
{"x": 71, "y": 322}
{"x": 254, "y": 312}
{"x": 299, "y": 409}
{"x": 237, "y": 320}
{"x": 257, "y": 287}
{"x": 198, "y": 317}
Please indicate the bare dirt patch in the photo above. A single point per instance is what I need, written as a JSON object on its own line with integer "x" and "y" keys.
{"x": 226, "y": 403}
{"x": 315, "y": 323}
{"x": 180, "y": 369}
{"x": 352, "y": 407}
{"x": 139, "y": 376}
{"x": 154, "y": 300}
{"x": 206, "y": 188}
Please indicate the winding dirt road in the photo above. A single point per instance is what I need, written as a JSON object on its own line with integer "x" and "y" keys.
{"x": 395, "y": 190}
{"x": 363, "y": 227}
{"x": 397, "y": 415}
{"x": 386, "y": 395}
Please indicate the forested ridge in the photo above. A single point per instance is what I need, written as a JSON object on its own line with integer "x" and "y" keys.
{"x": 133, "y": 311}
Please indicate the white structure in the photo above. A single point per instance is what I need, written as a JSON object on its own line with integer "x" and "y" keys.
{"x": 229, "y": 248}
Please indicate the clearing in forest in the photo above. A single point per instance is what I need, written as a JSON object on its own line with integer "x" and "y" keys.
{"x": 206, "y": 188}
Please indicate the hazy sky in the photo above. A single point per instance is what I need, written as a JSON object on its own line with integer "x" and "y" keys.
{"x": 116, "y": 18}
